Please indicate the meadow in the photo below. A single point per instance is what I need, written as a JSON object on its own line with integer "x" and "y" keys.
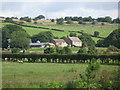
{"x": 33, "y": 75}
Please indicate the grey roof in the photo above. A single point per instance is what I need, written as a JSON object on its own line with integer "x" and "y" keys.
{"x": 38, "y": 44}
{"x": 59, "y": 40}
{"x": 75, "y": 39}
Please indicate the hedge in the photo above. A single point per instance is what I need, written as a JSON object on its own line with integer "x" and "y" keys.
{"x": 63, "y": 58}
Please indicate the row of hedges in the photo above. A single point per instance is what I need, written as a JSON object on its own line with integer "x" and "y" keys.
{"x": 33, "y": 26}
{"x": 106, "y": 58}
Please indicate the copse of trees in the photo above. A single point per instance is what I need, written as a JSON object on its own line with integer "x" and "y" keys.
{"x": 60, "y": 21}
{"x": 87, "y": 39}
{"x": 27, "y": 19}
{"x": 17, "y": 35}
{"x": 117, "y": 20}
{"x": 39, "y": 17}
{"x": 112, "y": 39}
{"x": 104, "y": 19}
{"x": 42, "y": 37}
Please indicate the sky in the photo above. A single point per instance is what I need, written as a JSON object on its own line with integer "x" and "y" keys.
{"x": 54, "y": 9}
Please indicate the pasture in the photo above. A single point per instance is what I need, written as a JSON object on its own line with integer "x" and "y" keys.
{"x": 33, "y": 75}
{"x": 104, "y": 31}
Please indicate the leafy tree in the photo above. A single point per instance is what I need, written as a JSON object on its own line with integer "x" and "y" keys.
{"x": 20, "y": 39}
{"x": 68, "y": 18}
{"x": 60, "y": 21}
{"x": 96, "y": 33}
{"x": 69, "y": 22}
{"x": 42, "y": 37}
{"x": 117, "y": 20}
{"x": 15, "y": 50}
{"x": 27, "y": 19}
{"x": 63, "y": 37}
{"x": 80, "y": 22}
{"x": 92, "y": 50}
{"x": 112, "y": 39}
{"x": 52, "y": 20}
{"x": 87, "y": 38}
{"x": 35, "y": 22}
{"x": 67, "y": 50}
{"x": 14, "y": 17}
{"x": 90, "y": 72}
{"x": 102, "y": 23}
{"x": 59, "y": 50}
{"x": 104, "y": 19}
{"x": 82, "y": 51}
{"x": 8, "y": 19}
{"x": 72, "y": 34}
{"x": 39, "y": 17}
{"x": 108, "y": 19}
{"x": 93, "y": 23}
{"x": 6, "y": 33}
{"x": 50, "y": 50}
{"x": 87, "y": 19}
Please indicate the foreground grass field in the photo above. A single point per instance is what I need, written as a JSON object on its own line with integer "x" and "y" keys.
{"x": 30, "y": 75}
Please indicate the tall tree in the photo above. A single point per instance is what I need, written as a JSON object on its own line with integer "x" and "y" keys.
{"x": 39, "y": 17}
{"x": 6, "y": 33}
{"x": 20, "y": 39}
{"x": 27, "y": 19}
{"x": 87, "y": 39}
{"x": 42, "y": 37}
{"x": 60, "y": 21}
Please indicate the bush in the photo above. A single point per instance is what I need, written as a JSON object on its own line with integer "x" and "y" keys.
{"x": 96, "y": 33}
{"x": 92, "y": 50}
{"x": 50, "y": 50}
{"x": 67, "y": 50}
{"x": 15, "y": 50}
{"x": 83, "y": 50}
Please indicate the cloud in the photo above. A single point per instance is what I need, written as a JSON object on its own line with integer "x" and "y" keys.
{"x": 59, "y": 9}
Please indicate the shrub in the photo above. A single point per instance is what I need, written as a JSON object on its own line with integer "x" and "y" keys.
{"x": 96, "y": 33}
{"x": 67, "y": 50}
{"x": 50, "y": 50}
{"x": 15, "y": 50}
{"x": 83, "y": 50}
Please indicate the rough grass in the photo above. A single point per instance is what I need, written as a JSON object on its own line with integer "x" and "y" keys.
{"x": 16, "y": 75}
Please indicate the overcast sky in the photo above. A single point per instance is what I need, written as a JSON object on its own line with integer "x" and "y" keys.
{"x": 59, "y": 9}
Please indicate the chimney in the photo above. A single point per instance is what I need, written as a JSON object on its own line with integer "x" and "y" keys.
{"x": 67, "y": 36}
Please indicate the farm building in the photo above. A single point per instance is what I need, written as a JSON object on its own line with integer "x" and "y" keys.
{"x": 73, "y": 41}
{"x": 34, "y": 45}
{"x": 59, "y": 42}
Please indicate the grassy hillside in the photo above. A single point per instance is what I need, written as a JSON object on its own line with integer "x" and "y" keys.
{"x": 30, "y": 75}
{"x": 104, "y": 31}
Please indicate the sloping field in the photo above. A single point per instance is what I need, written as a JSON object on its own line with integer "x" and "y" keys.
{"x": 104, "y": 31}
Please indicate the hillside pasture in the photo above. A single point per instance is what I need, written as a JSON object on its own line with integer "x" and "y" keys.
{"x": 104, "y": 31}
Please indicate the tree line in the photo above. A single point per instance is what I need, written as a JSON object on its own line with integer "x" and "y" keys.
{"x": 69, "y": 19}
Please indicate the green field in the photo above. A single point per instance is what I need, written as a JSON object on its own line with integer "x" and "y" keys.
{"x": 30, "y": 75}
{"x": 104, "y": 31}
{"x": 41, "y": 49}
